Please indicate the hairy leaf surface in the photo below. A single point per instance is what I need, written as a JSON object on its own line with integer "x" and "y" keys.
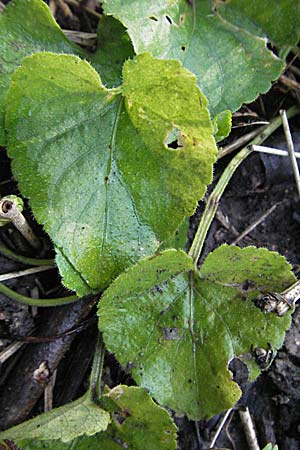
{"x": 110, "y": 176}
{"x": 176, "y": 330}
{"x": 137, "y": 423}
{"x": 81, "y": 417}
{"x": 232, "y": 64}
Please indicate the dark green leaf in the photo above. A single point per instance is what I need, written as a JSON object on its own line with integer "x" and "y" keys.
{"x": 176, "y": 330}
{"x": 26, "y": 27}
{"x": 232, "y": 65}
{"x": 113, "y": 48}
{"x": 278, "y": 21}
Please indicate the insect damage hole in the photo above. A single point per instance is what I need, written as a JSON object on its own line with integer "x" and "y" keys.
{"x": 171, "y": 334}
{"x": 169, "y": 20}
{"x": 174, "y": 139}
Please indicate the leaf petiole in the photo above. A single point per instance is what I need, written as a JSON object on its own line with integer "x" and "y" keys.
{"x": 97, "y": 368}
{"x": 39, "y": 302}
{"x": 25, "y": 259}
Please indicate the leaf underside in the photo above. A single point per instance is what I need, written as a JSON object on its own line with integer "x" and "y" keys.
{"x": 110, "y": 174}
{"x": 232, "y": 63}
{"x": 176, "y": 330}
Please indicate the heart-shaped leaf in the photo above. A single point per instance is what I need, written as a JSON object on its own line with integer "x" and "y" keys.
{"x": 176, "y": 330}
{"x": 110, "y": 176}
{"x": 137, "y": 423}
{"x": 232, "y": 64}
{"x": 82, "y": 417}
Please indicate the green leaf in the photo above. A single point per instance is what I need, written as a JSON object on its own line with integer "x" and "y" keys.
{"x": 222, "y": 125}
{"x": 278, "y": 21}
{"x": 137, "y": 423}
{"x": 82, "y": 417}
{"x": 96, "y": 166}
{"x": 176, "y": 330}
{"x": 113, "y": 48}
{"x": 179, "y": 239}
{"x": 26, "y": 27}
{"x": 232, "y": 65}
{"x": 270, "y": 447}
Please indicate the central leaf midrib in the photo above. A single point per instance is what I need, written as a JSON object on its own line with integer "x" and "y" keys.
{"x": 109, "y": 169}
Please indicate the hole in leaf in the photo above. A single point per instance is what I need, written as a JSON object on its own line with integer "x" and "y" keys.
{"x": 171, "y": 334}
{"x": 175, "y": 145}
{"x": 153, "y": 18}
{"x": 248, "y": 285}
{"x": 183, "y": 48}
{"x": 174, "y": 139}
{"x": 169, "y": 20}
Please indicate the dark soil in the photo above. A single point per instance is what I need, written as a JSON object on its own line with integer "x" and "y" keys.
{"x": 64, "y": 338}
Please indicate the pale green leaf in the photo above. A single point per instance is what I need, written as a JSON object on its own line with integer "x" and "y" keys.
{"x": 113, "y": 48}
{"x": 137, "y": 423}
{"x": 97, "y": 166}
{"x": 232, "y": 65}
{"x": 270, "y": 447}
{"x": 81, "y": 417}
{"x": 176, "y": 330}
{"x": 179, "y": 239}
{"x": 26, "y": 27}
